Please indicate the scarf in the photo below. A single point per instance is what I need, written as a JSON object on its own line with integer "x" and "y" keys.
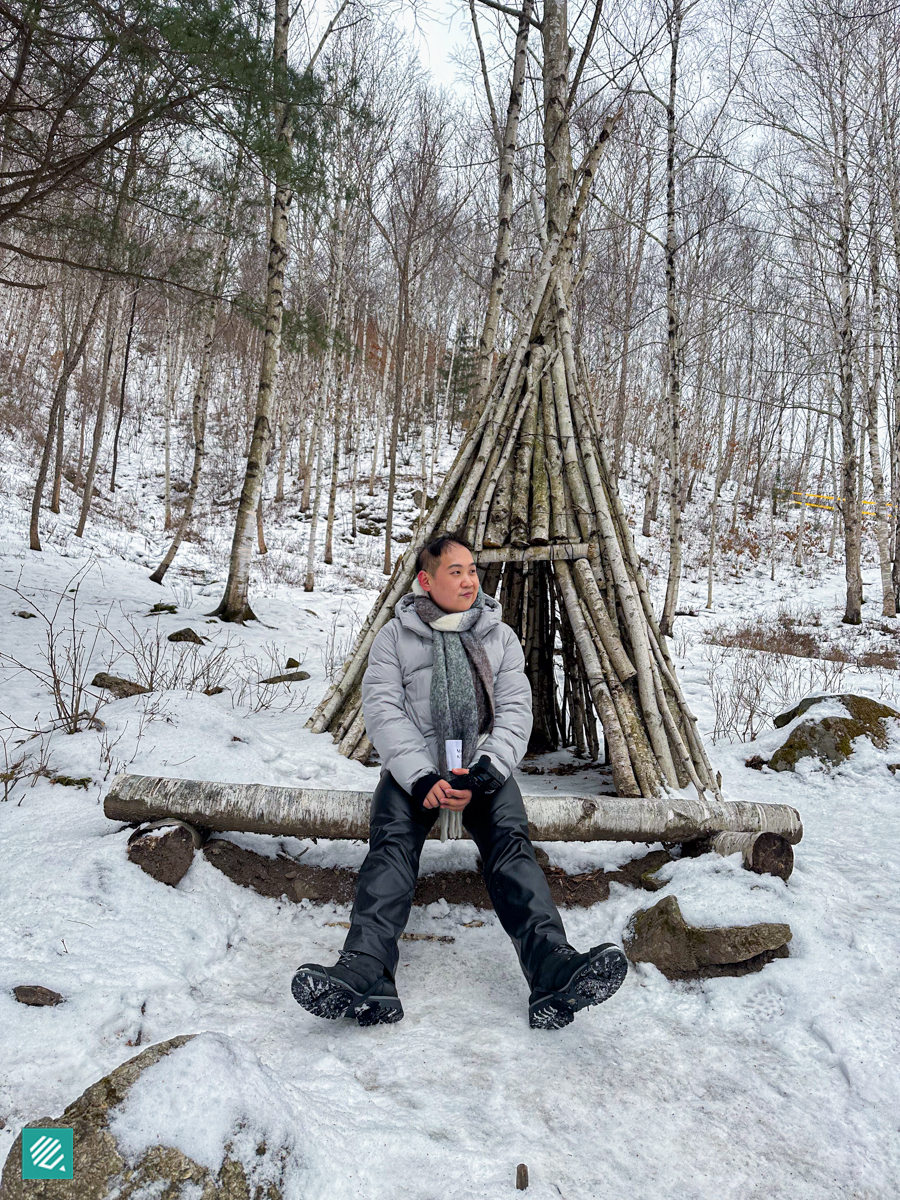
{"x": 462, "y": 685}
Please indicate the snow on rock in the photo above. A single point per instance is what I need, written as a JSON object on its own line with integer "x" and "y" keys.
{"x": 189, "y": 1117}
{"x": 210, "y": 1098}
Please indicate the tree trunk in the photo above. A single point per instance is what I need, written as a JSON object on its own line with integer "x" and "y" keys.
{"x": 235, "y": 604}
{"x": 849, "y": 502}
{"x": 399, "y": 369}
{"x": 113, "y": 329}
{"x": 882, "y": 514}
{"x": 309, "y": 582}
{"x": 60, "y": 446}
{"x": 122, "y": 385}
{"x": 500, "y": 267}
{"x": 332, "y": 813}
{"x": 70, "y": 361}
{"x": 335, "y": 468}
{"x": 200, "y": 402}
{"x": 673, "y": 345}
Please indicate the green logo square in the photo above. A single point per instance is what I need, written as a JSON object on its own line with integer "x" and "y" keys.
{"x": 48, "y": 1153}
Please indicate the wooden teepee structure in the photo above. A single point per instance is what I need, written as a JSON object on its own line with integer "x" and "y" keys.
{"x": 532, "y": 490}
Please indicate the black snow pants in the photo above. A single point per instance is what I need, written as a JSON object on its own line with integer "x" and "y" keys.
{"x": 515, "y": 882}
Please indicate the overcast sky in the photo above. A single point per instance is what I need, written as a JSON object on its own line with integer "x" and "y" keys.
{"x": 439, "y": 28}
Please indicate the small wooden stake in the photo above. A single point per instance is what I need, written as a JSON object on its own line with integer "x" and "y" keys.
{"x": 521, "y": 1177}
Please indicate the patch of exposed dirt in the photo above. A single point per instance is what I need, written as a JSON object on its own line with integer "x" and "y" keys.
{"x": 284, "y": 876}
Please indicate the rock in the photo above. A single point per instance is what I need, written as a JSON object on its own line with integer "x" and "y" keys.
{"x": 131, "y": 1137}
{"x": 120, "y": 688}
{"x": 291, "y": 664}
{"x": 37, "y": 996}
{"x": 831, "y": 739}
{"x": 859, "y": 707}
{"x": 287, "y": 677}
{"x": 164, "y": 608}
{"x": 165, "y": 854}
{"x": 186, "y": 635}
{"x": 660, "y": 935}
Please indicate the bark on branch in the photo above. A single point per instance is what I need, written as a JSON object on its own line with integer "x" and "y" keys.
{"x": 306, "y": 812}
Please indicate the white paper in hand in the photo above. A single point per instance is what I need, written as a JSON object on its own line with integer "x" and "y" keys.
{"x": 453, "y": 750}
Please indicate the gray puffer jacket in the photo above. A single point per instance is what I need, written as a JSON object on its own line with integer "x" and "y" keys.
{"x": 396, "y": 694}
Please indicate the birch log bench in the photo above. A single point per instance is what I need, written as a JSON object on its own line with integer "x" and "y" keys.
{"x": 762, "y": 833}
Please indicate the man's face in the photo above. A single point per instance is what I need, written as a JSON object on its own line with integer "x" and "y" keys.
{"x": 454, "y": 585}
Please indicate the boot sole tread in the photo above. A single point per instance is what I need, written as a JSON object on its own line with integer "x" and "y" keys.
{"x": 319, "y": 995}
{"x": 594, "y": 983}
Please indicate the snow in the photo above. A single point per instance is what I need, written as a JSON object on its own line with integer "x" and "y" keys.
{"x": 207, "y": 1094}
{"x": 777, "y": 1085}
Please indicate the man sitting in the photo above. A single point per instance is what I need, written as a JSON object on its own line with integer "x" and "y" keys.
{"x": 446, "y": 668}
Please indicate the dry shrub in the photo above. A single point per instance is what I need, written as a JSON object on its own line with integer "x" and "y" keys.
{"x": 782, "y": 634}
{"x": 887, "y": 659}
{"x": 749, "y": 687}
{"x": 66, "y": 653}
{"x": 791, "y": 632}
{"x": 739, "y": 541}
{"x": 160, "y": 665}
{"x": 340, "y": 640}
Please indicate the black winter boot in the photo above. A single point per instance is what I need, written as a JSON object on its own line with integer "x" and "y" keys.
{"x": 567, "y": 981}
{"x": 356, "y": 986}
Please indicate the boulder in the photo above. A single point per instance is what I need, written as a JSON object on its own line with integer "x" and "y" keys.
{"x": 186, "y": 635}
{"x": 175, "y": 1122}
{"x": 165, "y": 854}
{"x": 36, "y": 996}
{"x": 120, "y": 688}
{"x": 860, "y": 707}
{"x": 287, "y": 677}
{"x": 831, "y": 738}
{"x": 660, "y": 935}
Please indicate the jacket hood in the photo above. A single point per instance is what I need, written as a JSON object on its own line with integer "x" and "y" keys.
{"x": 404, "y": 612}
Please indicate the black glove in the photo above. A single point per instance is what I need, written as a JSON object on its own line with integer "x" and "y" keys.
{"x": 482, "y": 780}
{"x": 422, "y": 786}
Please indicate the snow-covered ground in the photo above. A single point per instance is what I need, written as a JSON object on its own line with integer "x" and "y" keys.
{"x": 779, "y": 1084}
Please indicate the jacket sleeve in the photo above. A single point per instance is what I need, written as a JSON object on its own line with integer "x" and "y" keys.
{"x": 507, "y": 742}
{"x": 401, "y": 747}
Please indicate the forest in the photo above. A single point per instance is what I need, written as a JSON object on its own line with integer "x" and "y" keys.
{"x": 300, "y": 266}
{"x": 610, "y": 291}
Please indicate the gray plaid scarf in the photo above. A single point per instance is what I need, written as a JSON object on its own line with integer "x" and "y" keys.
{"x": 462, "y": 686}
